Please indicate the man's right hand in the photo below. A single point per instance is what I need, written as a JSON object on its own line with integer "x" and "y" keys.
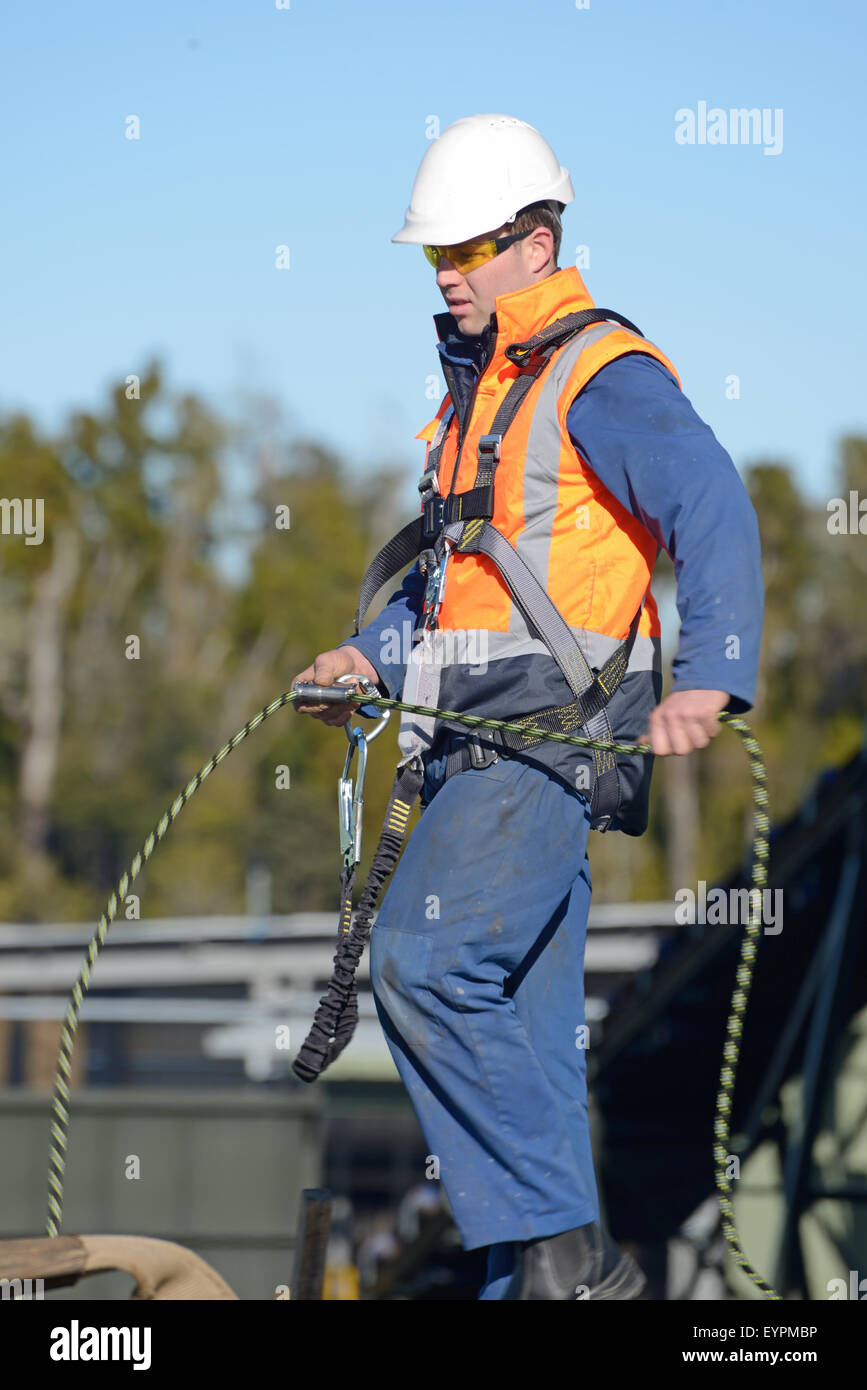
{"x": 327, "y": 666}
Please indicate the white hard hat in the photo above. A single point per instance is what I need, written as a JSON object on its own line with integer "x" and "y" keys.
{"x": 476, "y": 176}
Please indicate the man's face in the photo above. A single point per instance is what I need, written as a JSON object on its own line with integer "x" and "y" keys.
{"x": 471, "y": 297}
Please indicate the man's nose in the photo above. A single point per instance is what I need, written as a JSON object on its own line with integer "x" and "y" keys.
{"x": 447, "y": 276}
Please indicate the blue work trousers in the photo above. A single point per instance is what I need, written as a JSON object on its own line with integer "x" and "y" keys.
{"x": 477, "y": 969}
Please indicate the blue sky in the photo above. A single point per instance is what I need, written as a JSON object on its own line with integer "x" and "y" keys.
{"x": 305, "y": 126}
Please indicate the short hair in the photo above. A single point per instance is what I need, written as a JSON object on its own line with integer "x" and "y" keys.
{"x": 544, "y": 214}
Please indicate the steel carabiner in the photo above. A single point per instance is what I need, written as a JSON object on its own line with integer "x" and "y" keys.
{"x": 351, "y": 799}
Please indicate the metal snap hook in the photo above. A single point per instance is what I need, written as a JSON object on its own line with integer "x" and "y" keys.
{"x": 366, "y": 687}
{"x": 351, "y": 799}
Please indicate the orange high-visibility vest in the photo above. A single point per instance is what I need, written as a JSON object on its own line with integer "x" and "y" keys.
{"x": 594, "y": 557}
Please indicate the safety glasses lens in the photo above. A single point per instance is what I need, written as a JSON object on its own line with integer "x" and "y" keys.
{"x": 466, "y": 256}
{"x": 472, "y": 254}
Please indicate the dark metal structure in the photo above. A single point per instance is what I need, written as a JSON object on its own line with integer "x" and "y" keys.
{"x": 655, "y": 1076}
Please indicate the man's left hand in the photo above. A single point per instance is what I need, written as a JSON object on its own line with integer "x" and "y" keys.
{"x": 686, "y": 719}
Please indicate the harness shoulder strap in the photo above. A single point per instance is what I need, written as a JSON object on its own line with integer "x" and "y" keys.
{"x": 394, "y": 556}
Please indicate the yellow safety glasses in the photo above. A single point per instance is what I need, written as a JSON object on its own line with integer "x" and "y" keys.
{"x": 469, "y": 255}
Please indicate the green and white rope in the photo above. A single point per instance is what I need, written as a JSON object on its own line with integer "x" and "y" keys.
{"x": 744, "y": 974}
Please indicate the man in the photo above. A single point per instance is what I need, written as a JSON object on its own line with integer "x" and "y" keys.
{"x": 543, "y": 520}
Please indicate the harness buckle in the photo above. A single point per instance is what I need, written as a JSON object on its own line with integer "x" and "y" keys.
{"x": 429, "y": 485}
{"x": 480, "y": 757}
{"x": 432, "y": 516}
{"x": 489, "y": 447}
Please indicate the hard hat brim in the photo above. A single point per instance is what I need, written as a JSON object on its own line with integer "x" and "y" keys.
{"x": 455, "y": 227}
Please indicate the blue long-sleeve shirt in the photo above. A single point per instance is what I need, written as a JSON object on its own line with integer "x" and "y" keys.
{"x": 642, "y": 438}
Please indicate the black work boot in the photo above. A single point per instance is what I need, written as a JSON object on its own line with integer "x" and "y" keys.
{"x": 577, "y": 1264}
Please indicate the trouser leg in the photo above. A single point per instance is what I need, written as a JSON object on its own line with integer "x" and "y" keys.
{"x": 547, "y": 988}
{"x": 485, "y": 1046}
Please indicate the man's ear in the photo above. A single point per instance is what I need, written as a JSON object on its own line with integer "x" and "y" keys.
{"x": 541, "y": 240}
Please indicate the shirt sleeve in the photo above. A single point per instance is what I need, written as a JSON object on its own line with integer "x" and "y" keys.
{"x": 642, "y": 438}
{"x": 386, "y": 642}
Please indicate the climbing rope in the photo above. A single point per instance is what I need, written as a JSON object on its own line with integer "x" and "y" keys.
{"x": 60, "y": 1096}
{"x": 734, "y": 1024}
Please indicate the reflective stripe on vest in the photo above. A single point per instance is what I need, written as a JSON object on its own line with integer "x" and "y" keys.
{"x": 593, "y": 556}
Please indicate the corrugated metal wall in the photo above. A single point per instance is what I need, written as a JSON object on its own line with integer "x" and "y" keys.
{"x": 220, "y": 1172}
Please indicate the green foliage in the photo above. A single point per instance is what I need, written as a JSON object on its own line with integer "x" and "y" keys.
{"x": 144, "y": 487}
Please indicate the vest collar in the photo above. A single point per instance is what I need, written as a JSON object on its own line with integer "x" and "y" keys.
{"x": 517, "y": 316}
{"x": 523, "y": 313}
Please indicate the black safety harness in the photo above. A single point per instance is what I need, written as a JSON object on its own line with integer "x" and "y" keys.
{"x": 462, "y": 523}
